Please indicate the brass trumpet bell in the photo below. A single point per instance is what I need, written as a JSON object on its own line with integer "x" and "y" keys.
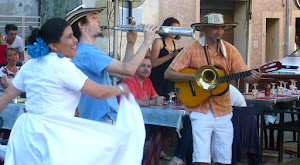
{"x": 207, "y": 77}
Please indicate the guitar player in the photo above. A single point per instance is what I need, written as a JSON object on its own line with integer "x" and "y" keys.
{"x": 211, "y": 120}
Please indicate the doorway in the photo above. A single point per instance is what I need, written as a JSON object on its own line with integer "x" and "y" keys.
{"x": 272, "y": 39}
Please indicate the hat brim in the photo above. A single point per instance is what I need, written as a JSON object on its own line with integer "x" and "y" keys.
{"x": 76, "y": 15}
{"x": 227, "y": 26}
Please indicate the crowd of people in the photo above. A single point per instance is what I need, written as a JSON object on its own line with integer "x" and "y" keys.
{"x": 81, "y": 78}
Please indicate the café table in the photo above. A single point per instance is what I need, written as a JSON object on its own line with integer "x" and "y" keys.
{"x": 10, "y": 115}
{"x": 271, "y": 105}
{"x": 165, "y": 117}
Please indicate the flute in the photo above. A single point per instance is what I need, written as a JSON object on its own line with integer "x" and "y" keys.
{"x": 169, "y": 30}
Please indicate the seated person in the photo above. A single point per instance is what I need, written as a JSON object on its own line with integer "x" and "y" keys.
{"x": 141, "y": 87}
{"x": 8, "y": 72}
{"x": 236, "y": 97}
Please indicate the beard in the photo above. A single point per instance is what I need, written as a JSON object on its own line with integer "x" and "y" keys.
{"x": 99, "y": 35}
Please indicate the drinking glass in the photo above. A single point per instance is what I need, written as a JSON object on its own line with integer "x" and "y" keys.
{"x": 171, "y": 96}
{"x": 280, "y": 88}
{"x": 255, "y": 91}
{"x": 285, "y": 90}
{"x": 273, "y": 90}
{"x": 294, "y": 90}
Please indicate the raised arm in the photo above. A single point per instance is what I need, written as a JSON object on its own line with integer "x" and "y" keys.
{"x": 131, "y": 39}
{"x": 156, "y": 47}
{"x": 129, "y": 67}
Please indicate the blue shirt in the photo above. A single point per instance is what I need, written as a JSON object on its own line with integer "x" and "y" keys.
{"x": 91, "y": 61}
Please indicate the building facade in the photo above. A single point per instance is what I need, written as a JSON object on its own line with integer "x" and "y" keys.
{"x": 267, "y": 29}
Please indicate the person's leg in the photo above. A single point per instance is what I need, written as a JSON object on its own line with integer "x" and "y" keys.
{"x": 203, "y": 125}
{"x": 222, "y": 140}
{"x": 185, "y": 143}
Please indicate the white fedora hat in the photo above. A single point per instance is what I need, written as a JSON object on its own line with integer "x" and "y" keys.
{"x": 214, "y": 19}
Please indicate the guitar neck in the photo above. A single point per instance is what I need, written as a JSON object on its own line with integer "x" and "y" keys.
{"x": 236, "y": 76}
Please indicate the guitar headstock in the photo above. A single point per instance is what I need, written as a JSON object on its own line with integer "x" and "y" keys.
{"x": 270, "y": 67}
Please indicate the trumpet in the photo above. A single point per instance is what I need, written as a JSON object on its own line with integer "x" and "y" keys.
{"x": 169, "y": 30}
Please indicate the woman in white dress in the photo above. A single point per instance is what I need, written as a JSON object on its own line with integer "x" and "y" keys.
{"x": 48, "y": 133}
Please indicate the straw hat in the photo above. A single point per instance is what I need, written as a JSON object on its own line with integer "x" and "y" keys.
{"x": 214, "y": 19}
{"x": 81, "y": 11}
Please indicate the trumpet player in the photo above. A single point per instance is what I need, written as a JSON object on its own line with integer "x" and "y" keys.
{"x": 211, "y": 120}
{"x": 96, "y": 65}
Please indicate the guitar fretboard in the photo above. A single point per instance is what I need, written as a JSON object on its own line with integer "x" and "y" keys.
{"x": 236, "y": 76}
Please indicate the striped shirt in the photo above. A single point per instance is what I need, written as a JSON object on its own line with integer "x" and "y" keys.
{"x": 227, "y": 57}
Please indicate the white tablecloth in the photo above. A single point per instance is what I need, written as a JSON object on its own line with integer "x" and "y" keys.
{"x": 163, "y": 116}
{"x": 10, "y": 114}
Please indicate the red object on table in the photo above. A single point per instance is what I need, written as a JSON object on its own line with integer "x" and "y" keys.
{"x": 283, "y": 96}
{"x": 266, "y": 98}
{"x": 179, "y": 108}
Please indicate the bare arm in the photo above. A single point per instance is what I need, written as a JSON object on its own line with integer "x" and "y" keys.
{"x": 255, "y": 77}
{"x": 156, "y": 100}
{"x": 3, "y": 81}
{"x": 10, "y": 93}
{"x": 156, "y": 47}
{"x": 118, "y": 75}
{"x": 131, "y": 39}
{"x": 129, "y": 67}
{"x": 1, "y": 40}
{"x": 99, "y": 91}
{"x": 171, "y": 74}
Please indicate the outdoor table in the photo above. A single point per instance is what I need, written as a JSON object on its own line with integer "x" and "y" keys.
{"x": 271, "y": 105}
{"x": 10, "y": 115}
{"x": 163, "y": 116}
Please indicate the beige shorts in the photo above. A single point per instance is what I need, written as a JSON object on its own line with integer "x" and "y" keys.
{"x": 212, "y": 137}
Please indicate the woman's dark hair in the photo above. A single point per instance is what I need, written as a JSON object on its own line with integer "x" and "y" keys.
{"x": 75, "y": 28}
{"x": 168, "y": 22}
{"x": 51, "y": 31}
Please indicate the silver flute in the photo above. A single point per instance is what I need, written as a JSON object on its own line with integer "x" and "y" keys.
{"x": 169, "y": 30}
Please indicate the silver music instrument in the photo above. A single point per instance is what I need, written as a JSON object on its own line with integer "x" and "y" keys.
{"x": 169, "y": 30}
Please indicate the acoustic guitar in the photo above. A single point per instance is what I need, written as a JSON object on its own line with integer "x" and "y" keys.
{"x": 191, "y": 94}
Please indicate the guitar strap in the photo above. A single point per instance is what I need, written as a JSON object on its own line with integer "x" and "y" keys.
{"x": 206, "y": 55}
{"x": 204, "y": 47}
